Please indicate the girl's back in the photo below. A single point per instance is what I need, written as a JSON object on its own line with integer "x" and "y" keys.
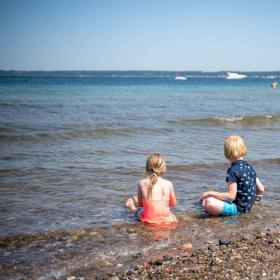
{"x": 155, "y": 194}
{"x": 157, "y": 208}
{"x": 161, "y": 190}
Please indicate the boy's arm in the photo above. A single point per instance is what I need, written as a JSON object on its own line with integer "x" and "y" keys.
{"x": 139, "y": 194}
{"x": 172, "y": 198}
{"x": 230, "y": 195}
{"x": 260, "y": 187}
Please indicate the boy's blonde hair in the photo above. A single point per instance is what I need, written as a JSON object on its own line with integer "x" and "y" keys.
{"x": 155, "y": 167}
{"x": 234, "y": 147}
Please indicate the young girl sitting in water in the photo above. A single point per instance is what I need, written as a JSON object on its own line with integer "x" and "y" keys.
{"x": 155, "y": 194}
{"x": 243, "y": 183}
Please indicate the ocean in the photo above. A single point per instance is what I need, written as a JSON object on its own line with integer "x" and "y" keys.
{"x": 74, "y": 145}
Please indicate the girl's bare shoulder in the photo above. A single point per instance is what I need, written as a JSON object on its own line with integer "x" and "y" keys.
{"x": 167, "y": 183}
{"x": 143, "y": 182}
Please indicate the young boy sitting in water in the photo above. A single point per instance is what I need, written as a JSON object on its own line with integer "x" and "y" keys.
{"x": 155, "y": 194}
{"x": 243, "y": 183}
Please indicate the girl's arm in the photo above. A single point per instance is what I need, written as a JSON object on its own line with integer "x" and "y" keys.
{"x": 260, "y": 187}
{"x": 230, "y": 195}
{"x": 139, "y": 194}
{"x": 172, "y": 197}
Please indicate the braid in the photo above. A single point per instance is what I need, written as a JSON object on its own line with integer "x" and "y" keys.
{"x": 153, "y": 181}
{"x": 155, "y": 167}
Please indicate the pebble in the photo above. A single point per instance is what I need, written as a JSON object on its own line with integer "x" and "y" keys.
{"x": 71, "y": 278}
{"x": 246, "y": 237}
{"x": 107, "y": 263}
{"x": 133, "y": 235}
{"x": 187, "y": 246}
{"x": 114, "y": 278}
{"x": 138, "y": 255}
{"x": 167, "y": 258}
{"x": 237, "y": 257}
{"x": 138, "y": 267}
{"x": 218, "y": 260}
{"x": 260, "y": 235}
{"x": 158, "y": 262}
{"x": 224, "y": 242}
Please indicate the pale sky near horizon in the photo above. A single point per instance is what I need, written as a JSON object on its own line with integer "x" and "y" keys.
{"x": 210, "y": 35}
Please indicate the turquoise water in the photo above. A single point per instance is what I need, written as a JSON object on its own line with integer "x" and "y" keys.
{"x": 74, "y": 145}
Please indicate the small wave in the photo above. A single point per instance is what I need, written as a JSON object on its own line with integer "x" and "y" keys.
{"x": 68, "y": 135}
{"x": 272, "y": 161}
{"x": 196, "y": 167}
{"x": 242, "y": 120}
{"x": 186, "y": 168}
{"x": 12, "y": 172}
{"x": 16, "y": 105}
{"x": 216, "y": 165}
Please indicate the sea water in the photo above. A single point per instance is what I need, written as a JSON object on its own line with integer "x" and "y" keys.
{"x": 74, "y": 145}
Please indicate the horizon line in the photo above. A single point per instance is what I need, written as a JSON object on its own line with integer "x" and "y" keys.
{"x": 94, "y": 70}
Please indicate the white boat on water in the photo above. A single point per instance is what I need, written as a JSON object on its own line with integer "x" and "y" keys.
{"x": 270, "y": 77}
{"x": 182, "y": 78}
{"x": 234, "y": 76}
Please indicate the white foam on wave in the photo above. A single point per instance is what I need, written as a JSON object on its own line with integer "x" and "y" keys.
{"x": 126, "y": 251}
{"x": 233, "y": 119}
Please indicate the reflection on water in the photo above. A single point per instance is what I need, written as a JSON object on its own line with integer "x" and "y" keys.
{"x": 54, "y": 199}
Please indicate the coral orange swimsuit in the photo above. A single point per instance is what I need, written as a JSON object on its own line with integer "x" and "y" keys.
{"x": 157, "y": 211}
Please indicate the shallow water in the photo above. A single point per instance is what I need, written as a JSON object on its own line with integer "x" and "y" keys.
{"x": 74, "y": 145}
{"x": 55, "y": 255}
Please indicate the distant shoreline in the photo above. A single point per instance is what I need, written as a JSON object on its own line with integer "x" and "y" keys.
{"x": 134, "y": 71}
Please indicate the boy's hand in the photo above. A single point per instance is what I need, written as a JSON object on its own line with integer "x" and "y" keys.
{"x": 204, "y": 195}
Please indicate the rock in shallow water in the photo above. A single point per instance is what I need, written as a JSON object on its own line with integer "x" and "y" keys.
{"x": 158, "y": 262}
{"x": 187, "y": 246}
{"x": 224, "y": 242}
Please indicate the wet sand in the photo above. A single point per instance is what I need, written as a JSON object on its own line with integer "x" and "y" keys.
{"x": 249, "y": 249}
{"x": 187, "y": 250}
{"x": 251, "y": 256}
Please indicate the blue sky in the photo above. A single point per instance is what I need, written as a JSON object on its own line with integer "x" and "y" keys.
{"x": 207, "y": 35}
